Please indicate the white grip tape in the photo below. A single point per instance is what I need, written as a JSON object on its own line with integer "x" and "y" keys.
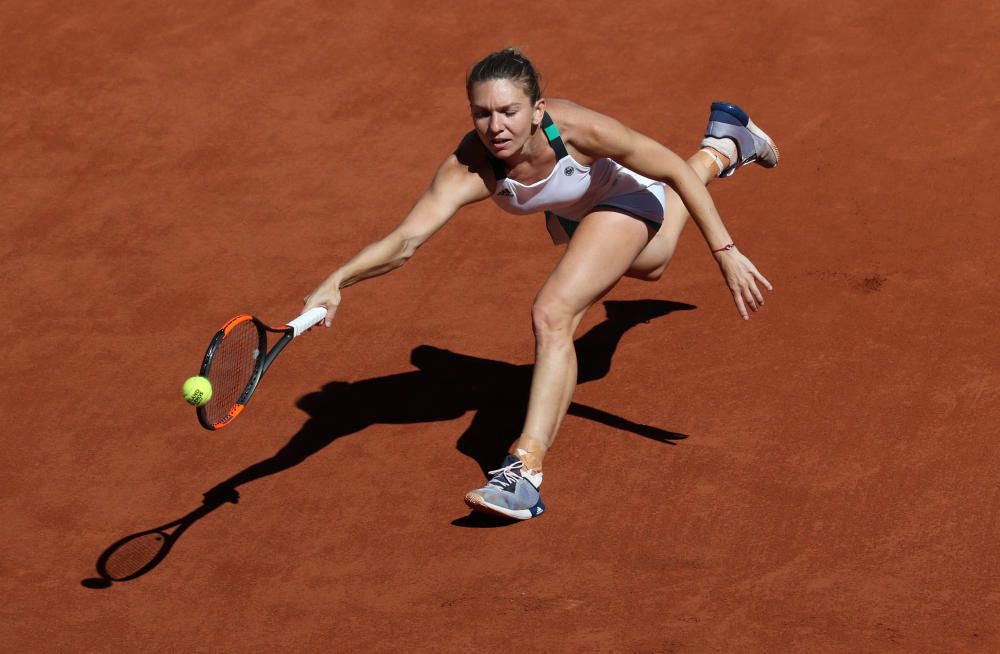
{"x": 311, "y": 317}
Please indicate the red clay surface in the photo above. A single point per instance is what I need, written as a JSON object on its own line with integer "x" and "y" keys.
{"x": 164, "y": 169}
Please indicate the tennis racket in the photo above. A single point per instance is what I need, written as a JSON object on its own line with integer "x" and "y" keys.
{"x": 238, "y": 357}
{"x": 137, "y": 554}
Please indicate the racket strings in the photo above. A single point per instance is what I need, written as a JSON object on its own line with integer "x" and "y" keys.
{"x": 233, "y": 368}
{"x": 134, "y": 555}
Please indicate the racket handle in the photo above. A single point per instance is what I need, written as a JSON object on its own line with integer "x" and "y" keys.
{"x": 308, "y": 319}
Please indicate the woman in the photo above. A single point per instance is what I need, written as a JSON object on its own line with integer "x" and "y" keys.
{"x": 618, "y": 198}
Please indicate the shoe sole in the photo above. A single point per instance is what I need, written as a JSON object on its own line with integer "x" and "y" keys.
{"x": 759, "y": 133}
{"x": 477, "y": 503}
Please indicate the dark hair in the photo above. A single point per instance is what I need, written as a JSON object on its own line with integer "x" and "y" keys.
{"x": 508, "y": 64}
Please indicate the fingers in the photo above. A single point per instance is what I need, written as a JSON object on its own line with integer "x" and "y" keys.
{"x": 755, "y": 294}
{"x": 743, "y": 278}
{"x": 747, "y": 295}
{"x": 740, "y": 306}
{"x": 331, "y": 309}
{"x": 312, "y": 301}
{"x": 760, "y": 278}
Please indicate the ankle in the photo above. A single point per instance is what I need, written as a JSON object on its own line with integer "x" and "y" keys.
{"x": 531, "y": 452}
{"x": 531, "y": 460}
{"x": 719, "y": 160}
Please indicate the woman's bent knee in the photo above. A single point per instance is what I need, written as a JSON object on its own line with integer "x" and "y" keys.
{"x": 647, "y": 275}
{"x": 551, "y": 320}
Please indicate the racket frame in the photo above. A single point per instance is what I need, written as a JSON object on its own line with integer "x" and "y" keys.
{"x": 262, "y": 363}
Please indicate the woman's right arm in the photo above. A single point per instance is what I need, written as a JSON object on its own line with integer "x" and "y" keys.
{"x": 454, "y": 186}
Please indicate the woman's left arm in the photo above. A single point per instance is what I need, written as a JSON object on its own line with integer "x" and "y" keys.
{"x": 597, "y": 135}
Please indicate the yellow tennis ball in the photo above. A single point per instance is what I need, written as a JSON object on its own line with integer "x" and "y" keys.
{"x": 197, "y": 391}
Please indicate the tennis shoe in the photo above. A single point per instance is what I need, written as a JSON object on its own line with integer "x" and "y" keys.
{"x": 727, "y": 121}
{"x": 511, "y": 492}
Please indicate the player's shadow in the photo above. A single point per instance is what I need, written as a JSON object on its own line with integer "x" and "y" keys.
{"x": 445, "y": 386}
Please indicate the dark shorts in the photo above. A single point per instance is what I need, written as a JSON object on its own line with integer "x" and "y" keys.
{"x": 647, "y": 205}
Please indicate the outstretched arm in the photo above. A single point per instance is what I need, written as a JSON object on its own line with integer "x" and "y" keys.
{"x": 454, "y": 186}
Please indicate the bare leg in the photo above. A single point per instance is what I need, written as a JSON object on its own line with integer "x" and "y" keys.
{"x": 606, "y": 246}
{"x": 603, "y": 248}
{"x": 654, "y": 259}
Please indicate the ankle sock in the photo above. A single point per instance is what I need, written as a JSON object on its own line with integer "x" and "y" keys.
{"x": 726, "y": 147}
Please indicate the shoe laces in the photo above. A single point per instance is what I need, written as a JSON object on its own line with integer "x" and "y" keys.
{"x": 505, "y": 476}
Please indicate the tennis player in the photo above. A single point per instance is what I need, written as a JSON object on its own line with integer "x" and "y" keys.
{"x": 617, "y": 198}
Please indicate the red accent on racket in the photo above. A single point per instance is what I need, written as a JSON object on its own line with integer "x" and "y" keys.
{"x": 237, "y": 359}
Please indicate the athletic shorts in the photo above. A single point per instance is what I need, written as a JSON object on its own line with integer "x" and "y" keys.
{"x": 648, "y": 205}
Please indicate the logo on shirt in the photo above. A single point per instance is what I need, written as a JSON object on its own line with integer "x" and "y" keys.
{"x": 569, "y": 171}
{"x": 505, "y": 191}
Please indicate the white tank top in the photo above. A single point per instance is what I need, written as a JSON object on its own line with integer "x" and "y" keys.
{"x": 571, "y": 190}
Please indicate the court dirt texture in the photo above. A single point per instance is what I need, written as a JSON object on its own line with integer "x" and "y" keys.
{"x": 822, "y": 478}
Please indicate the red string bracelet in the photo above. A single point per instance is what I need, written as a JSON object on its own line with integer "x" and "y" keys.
{"x": 725, "y": 248}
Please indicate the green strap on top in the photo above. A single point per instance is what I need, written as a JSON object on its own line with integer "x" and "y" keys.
{"x": 552, "y": 134}
{"x": 555, "y": 142}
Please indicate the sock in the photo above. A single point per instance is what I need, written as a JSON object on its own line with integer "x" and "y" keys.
{"x": 534, "y": 475}
{"x": 726, "y": 146}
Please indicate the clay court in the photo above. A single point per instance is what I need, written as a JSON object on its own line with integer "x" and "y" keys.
{"x": 822, "y": 478}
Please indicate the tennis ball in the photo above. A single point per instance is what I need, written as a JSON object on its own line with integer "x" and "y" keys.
{"x": 197, "y": 391}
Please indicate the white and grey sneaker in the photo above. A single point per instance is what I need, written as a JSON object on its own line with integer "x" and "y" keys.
{"x": 728, "y": 122}
{"x": 511, "y": 492}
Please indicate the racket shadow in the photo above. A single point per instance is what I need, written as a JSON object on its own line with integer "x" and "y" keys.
{"x": 138, "y": 554}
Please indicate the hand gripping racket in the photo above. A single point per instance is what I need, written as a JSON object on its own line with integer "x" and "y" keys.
{"x": 238, "y": 357}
